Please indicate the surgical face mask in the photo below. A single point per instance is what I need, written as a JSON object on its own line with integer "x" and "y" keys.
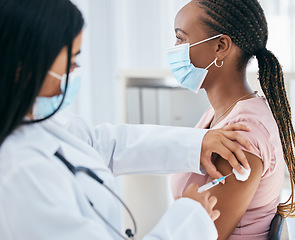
{"x": 183, "y": 70}
{"x": 44, "y": 106}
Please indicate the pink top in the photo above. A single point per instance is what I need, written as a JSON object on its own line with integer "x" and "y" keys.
{"x": 264, "y": 138}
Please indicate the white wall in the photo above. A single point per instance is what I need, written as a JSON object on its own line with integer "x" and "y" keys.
{"x": 120, "y": 35}
{"x": 97, "y": 99}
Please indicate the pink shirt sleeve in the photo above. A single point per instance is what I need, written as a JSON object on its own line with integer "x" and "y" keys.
{"x": 259, "y": 139}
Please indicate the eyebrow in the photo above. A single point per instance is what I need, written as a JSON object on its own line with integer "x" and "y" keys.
{"x": 180, "y": 30}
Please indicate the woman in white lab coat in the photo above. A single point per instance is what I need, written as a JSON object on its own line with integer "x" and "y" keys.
{"x": 40, "y": 198}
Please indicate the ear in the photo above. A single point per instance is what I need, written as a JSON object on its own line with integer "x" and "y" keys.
{"x": 223, "y": 47}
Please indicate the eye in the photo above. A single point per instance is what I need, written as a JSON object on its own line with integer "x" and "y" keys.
{"x": 178, "y": 39}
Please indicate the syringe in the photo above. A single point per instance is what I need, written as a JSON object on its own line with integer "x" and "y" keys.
{"x": 212, "y": 184}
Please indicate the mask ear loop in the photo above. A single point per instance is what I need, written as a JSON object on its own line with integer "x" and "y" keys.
{"x": 206, "y": 40}
{"x": 62, "y": 100}
{"x": 53, "y": 74}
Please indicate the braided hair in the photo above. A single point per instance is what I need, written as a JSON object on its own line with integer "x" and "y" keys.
{"x": 244, "y": 22}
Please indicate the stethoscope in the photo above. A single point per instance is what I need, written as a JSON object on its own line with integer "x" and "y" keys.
{"x": 91, "y": 174}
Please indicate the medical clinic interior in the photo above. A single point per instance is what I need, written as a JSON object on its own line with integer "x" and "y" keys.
{"x": 126, "y": 79}
{"x": 130, "y": 76}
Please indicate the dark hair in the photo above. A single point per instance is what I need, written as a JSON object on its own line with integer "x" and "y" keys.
{"x": 33, "y": 32}
{"x": 244, "y": 22}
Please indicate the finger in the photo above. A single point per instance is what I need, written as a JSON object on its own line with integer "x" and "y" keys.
{"x": 209, "y": 166}
{"x": 193, "y": 187}
{"x": 206, "y": 195}
{"x": 238, "y": 152}
{"x": 236, "y": 127}
{"x": 226, "y": 152}
{"x": 211, "y": 170}
{"x": 215, "y": 214}
{"x": 234, "y": 136}
{"x": 239, "y": 156}
{"x": 212, "y": 201}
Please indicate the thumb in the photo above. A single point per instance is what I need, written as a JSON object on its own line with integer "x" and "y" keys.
{"x": 215, "y": 175}
{"x": 211, "y": 170}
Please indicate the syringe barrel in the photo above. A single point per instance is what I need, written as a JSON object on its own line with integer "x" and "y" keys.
{"x": 208, "y": 185}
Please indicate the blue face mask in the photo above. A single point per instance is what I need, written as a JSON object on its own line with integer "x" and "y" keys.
{"x": 183, "y": 70}
{"x": 44, "y": 106}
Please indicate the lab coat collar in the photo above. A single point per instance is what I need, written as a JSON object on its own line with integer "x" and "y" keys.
{"x": 68, "y": 143}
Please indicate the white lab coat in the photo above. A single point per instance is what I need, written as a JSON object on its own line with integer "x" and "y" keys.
{"x": 41, "y": 199}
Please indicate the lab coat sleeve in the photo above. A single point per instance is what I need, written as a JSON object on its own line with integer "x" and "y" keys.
{"x": 49, "y": 207}
{"x": 185, "y": 219}
{"x": 149, "y": 149}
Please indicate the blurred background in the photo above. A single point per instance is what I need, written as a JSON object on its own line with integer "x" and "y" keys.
{"x": 126, "y": 79}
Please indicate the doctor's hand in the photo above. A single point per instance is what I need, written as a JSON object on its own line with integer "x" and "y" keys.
{"x": 207, "y": 201}
{"x": 222, "y": 142}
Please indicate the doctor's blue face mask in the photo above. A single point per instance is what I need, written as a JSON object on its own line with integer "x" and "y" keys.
{"x": 44, "y": 106}
{"x": 183, "y": 70}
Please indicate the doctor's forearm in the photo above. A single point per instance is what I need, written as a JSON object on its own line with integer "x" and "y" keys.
{"x": 135, "y": 149}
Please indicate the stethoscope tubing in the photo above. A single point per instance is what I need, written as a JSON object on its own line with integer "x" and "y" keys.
{"x": 94, "y": 176}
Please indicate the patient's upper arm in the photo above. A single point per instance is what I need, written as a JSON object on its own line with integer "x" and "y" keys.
{"x": 234, "y": 196}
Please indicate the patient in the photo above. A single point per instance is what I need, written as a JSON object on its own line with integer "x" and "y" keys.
{"x": 247, "y": 208}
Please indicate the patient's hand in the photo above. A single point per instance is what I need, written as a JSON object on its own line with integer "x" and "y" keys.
{"x": 207, "y": 201}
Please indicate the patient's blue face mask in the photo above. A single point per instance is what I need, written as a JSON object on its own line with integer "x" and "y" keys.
{"x": 183, "y": 70}
{"x": 44, "y": 106}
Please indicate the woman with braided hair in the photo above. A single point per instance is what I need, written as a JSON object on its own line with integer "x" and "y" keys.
{"x": 215, "y": 41}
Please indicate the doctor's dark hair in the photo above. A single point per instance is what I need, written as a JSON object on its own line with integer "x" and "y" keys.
{"x": 33, "y": 32}
{"x": 245, "y": 23}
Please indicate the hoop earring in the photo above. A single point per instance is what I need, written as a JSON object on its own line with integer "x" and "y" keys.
{"x": 219, "y": 66}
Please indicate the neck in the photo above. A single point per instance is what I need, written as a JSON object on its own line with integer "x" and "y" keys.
{"x": 225, "y": 91}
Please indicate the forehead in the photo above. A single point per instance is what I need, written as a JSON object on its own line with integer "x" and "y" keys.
{"x": 189, "y": 17}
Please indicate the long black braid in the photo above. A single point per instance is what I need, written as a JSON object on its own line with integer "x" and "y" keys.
{"x": 245, "y": 23}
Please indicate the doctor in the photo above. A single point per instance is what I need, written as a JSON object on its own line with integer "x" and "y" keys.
{"x": 43, "y": 192}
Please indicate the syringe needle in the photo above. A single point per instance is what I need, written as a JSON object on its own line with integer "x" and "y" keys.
{"x": 228, "y": 175}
